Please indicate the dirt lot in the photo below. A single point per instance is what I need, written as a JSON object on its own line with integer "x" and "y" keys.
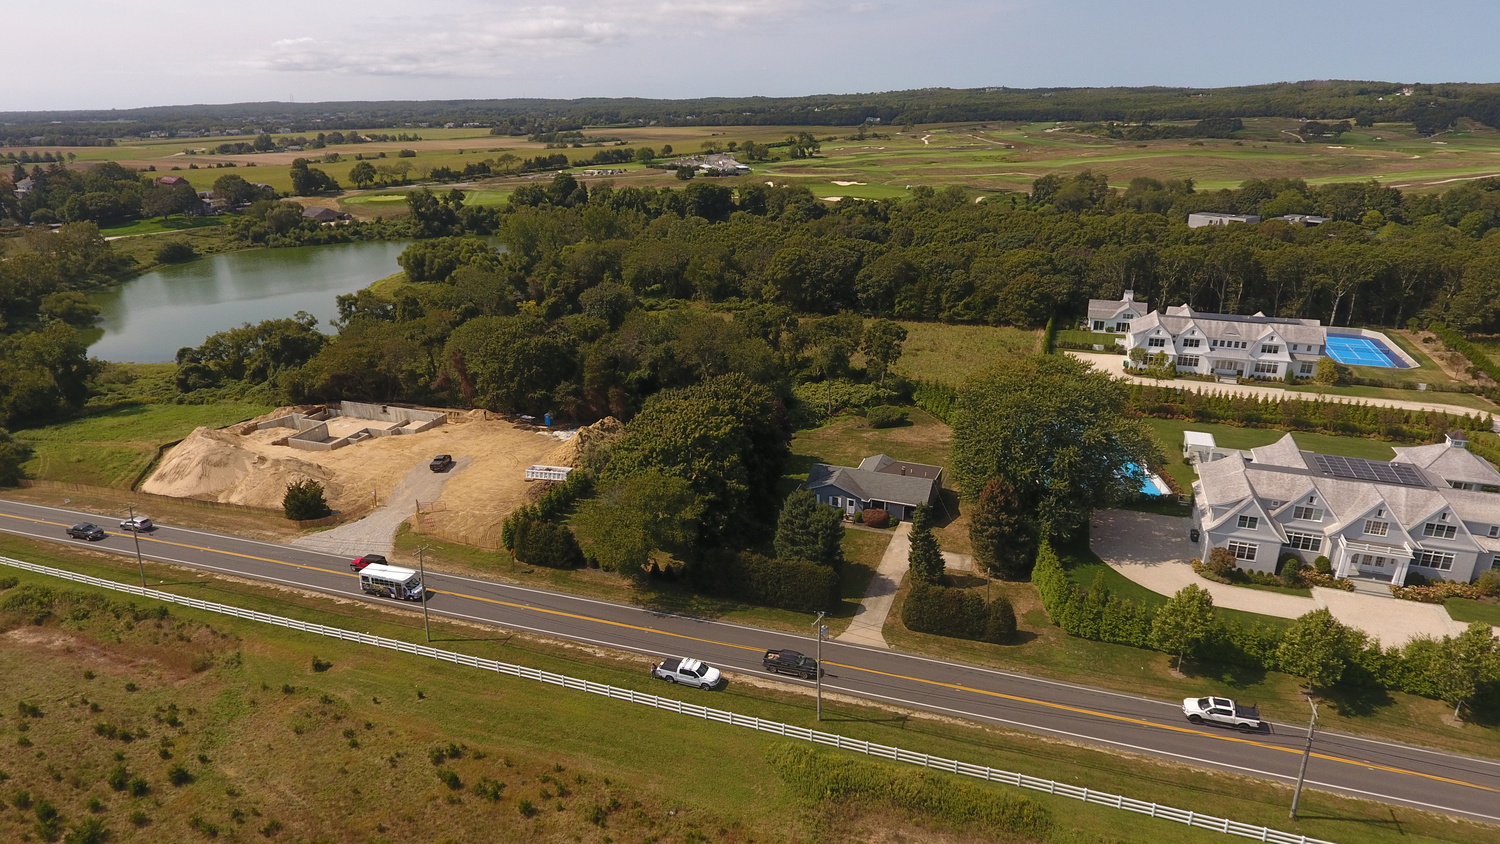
{"x": 221, "y": 465}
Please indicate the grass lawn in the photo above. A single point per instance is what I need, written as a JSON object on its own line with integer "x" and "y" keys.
{"x": 948, "y": 354}
{"x": 158, "y": 226}
{"x": 924, "y": 439}
{"x": 1168, "y": 434}
{"x": 112, "y": 448}
{"x": 1468, "y": 610}
{"x": 247, "y": 710}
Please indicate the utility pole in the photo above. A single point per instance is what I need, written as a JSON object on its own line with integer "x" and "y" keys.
{"x": 422, "y": 573}
{"x": 1306, "y": 752}
{"x": 136, "y": 534}
{"x": 818, "y": 673}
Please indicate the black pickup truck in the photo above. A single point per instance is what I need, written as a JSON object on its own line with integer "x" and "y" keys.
{"x": 791, "y": 662}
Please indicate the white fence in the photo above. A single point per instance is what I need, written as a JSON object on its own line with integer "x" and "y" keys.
{"x": 1155, "y": 810}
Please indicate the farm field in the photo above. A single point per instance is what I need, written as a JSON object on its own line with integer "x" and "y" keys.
{"x": 948, "y": 354}
{"x": 984, "y": 158}
{"x": 230, "y": 714}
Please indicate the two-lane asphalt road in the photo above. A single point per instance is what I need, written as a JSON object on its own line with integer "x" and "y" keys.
{"x": 1385, "y": 771}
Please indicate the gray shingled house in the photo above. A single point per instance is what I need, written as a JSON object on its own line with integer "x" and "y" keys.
{"x": 879, "y": 482}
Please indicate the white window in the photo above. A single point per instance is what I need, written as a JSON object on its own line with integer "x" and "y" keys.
{"x": 1157, "y": 342}
{"x": 1304, "y": 541}
{"x": 1439, "y": 560}
{"x": 1439, "y": 531}
{"x": 1374, "y": 528}
{"x": 1270, "y": 350}
{"x": 1191, "y": 344}
{"x": 1188, "y": 361}
{"x": 1306, "y": 369}
{"x": 1249, "y": 522}
{"x": 1246, "y": 550}
{"x": 1308, "y": 514}
{"x": 1266, "y": 368}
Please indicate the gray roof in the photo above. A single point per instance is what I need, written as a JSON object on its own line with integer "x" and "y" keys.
{"x": 875, "y": 485}
{"x": 1108, "y": 309}
{"x": 1179, "y": 319}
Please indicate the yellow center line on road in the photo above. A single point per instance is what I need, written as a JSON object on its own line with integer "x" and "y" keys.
{"x": 953, "y": 686}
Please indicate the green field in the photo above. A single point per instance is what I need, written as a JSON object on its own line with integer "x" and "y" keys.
{"x": 113, "y": 448}
{"x": 948, "y": 354}
{"x": 158, "y": 226}
{"x": 247, "y": 710}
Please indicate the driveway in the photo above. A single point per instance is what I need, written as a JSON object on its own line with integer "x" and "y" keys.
{"x": 376, "y": 532}
{"x": 1154, "y": 551}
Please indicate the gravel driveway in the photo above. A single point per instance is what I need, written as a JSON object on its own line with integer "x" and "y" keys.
{"x": 376, "y": 533}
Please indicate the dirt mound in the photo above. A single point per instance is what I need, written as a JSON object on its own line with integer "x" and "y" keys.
{"x": 568, "y": 454}
{"x": 216, "y": 465}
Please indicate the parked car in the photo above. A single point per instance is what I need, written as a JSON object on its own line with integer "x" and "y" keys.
{"x": 790, "y": 662}
{"x": 441, "y": 463}
{"x": 85, "y": 530}
{"x": 1222, "y": 711}
{"x": 690, "y": 672}
{"x": 359, "y": 563}
{"x": 138, "y": 524}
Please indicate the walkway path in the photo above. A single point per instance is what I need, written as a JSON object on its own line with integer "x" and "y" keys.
{"x": 1153, "y": 551}
{"x": 376, "y": 533}
{"x": 868, "y": 620}
{"x": 1114, "y": 365}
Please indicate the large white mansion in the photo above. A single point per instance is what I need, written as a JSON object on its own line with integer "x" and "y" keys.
{"x": 1255, "y": 346}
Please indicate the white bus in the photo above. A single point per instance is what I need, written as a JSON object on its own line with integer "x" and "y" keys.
{"x": 390, "y": 582}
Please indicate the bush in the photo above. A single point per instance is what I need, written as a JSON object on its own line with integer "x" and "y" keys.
{"x": 1322, "y": 565}
{"x": 1221, "y": 561}
{"x": 450, "y": 778}
{"x": 304, "y": 501}
{"x": 946, "y": 611}
{"x": 885, "y": 416}
{"x": 788, "y": 584}
{"x": 1000, "y": 628}
{"x": 546, "y": 544}
{"x": 175, "y": 252}
{"x": 876, "y": 517}
{"x": 179, "y": 775}
{"x": 1488, "y": 583}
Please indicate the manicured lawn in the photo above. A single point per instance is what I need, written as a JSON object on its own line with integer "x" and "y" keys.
{"x": 948, "y": 354}
{"x": 112, "y": 448}
{"x": 1468, "y": 610}
{"x": 258, "y": 715}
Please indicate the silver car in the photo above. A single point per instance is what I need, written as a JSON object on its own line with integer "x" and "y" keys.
{"x": 137, "y": 524}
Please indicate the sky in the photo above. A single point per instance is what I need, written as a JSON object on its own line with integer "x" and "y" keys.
{"x": 99, "y": 54}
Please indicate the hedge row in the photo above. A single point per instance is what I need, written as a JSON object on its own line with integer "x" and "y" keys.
{"x": 788, "y": 584}
{"x": 937, "y": 399}
{"x": 1457, "y": 342}
{"x": 1416, "y": 668}
{"x": 1393, "y": 424}
{"x": 557, "y": 501}
{"x": 960, "y": 613}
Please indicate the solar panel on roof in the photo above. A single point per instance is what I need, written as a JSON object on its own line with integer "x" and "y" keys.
{"x": 1375, "y": 471}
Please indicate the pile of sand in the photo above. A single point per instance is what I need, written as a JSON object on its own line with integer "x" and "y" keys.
{"x": 216, "y": 465}
{"x": 568, "y": 454}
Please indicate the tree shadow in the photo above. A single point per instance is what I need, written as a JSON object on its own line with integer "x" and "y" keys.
{"x": 1232, "y": 676}
{"x": 947, "y": 510}
{"x": 1357, "y": 701}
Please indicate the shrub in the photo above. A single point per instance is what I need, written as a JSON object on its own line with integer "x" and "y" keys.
{"x": 179, "y": 776}
{"x": 546, "y": 544}
{"x": 139, "y": 787}
{"x": 175, "y": 252}
{"x": 89, "y": 831}
{"x": 885, "y": 416}
{"x": 1221, "y": 561}
{"x": 1323, "y": 565}
{"x": 118, "y": 778}
{"x": 1000, "y": 627}
{"x": 945, "y": 611}
{"x": 320, "y": 665}
{"x": 1488, "y": 583}
{"x": 304, "y": 501}
{"x": 450, "y": 778}
{"x": 527, "y": 808}
{"x": 876, "y": 517}
{"x": 489, "y": 789}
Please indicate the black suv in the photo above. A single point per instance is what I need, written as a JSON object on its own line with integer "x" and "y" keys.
{"x": 84, "y": 530}
{"x": 441, "y": 463}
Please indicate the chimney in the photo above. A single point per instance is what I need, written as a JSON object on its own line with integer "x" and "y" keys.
{"x": 1129, "y": 296}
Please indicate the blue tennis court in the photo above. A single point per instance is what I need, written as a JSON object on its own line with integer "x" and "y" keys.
{"x": 1362, "y": 351}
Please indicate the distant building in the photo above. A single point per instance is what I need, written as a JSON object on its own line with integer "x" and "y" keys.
{"x": 325, "y": 216}
{"x": 1303, "y": 219}
{"x": 171, "y": 181}
{"x": 1210, "y": 218}
{"x": 25, "y": 186}
{"x": 713, "y": 164}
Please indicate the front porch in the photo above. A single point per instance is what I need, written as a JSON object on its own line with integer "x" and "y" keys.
{"x": 1372, "y": 562}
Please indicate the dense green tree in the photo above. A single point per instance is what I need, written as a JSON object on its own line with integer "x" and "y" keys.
{"x": 1184, "y": 622}
{"x": 12, "y": 455}
{"x": 1056, "y": 428}
{"x": 1318, "y": 648}
{"x": 632, "y": 518}
{"x": 307, "y": 181}
{"x": 304, "y": 500}
{"x": 882, "y": 345}
{"x": 810, "y": 531}
{"x": 1468, "y": 662}
{"x": 1003, "y": 531}
{"x": 925, "y": 558}
{"x": 439, "y": 258}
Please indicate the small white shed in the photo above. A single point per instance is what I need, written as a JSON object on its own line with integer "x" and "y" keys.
{"x": 1199, "y": 447}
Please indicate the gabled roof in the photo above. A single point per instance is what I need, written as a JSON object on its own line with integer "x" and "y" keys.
{"x": 1449, "y": 463}
{"x": 892, "y": 466}
{"x": 870, "y": 485}
{"x": 1283, "y": 452}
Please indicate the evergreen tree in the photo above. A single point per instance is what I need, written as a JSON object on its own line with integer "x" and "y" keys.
{"x": 807, "y": 530}
{"x": 304, "y": 500}
{"x": 1004, "y": 536}
{"x": 926, "y": 559}
{"x": 1183, "y": 622}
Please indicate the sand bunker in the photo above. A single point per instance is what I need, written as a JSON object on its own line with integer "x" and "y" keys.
{"x": 846, "y": 184}
{"x": 249, "y": 469}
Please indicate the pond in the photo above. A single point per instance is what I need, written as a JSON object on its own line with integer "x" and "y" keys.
{"x": 147, "y": 319}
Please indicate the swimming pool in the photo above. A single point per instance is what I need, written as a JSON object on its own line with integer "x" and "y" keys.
{"x": 1363, "y": 351}
{"x": 1150, "y": 483}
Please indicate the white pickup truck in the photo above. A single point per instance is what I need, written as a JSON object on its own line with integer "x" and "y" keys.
{"x": 1222, "y": 711}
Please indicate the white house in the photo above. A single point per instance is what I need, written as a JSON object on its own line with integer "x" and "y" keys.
{"x": 1212, "y": 218}
{"x": 1432, "y": 509}
{"x": 1255, "y": 346}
